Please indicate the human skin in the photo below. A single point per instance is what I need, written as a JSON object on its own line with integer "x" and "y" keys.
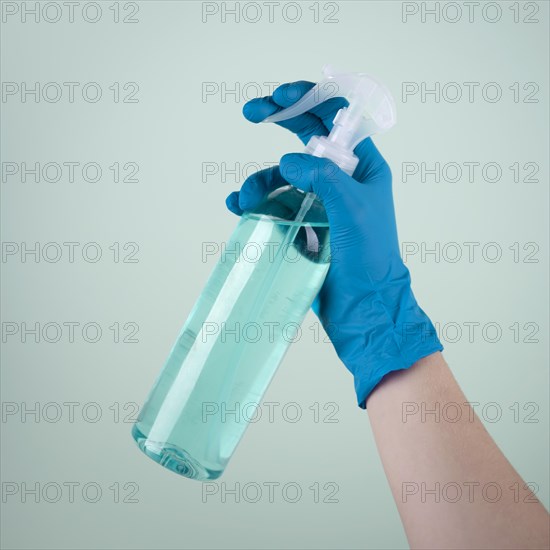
{"x": 419, "y": 451}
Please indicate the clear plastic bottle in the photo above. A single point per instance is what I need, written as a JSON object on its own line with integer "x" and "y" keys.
{"x": 236, "y": 336}
{"x": 254, "y": 301}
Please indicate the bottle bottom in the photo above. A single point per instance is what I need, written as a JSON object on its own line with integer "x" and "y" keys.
{"x": 173, "y": 458}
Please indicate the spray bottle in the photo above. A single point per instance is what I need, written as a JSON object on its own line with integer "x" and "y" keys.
{"x": 254, "y": 301}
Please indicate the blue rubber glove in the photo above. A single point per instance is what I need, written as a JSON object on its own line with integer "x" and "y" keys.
{"x": 366, "y": 304}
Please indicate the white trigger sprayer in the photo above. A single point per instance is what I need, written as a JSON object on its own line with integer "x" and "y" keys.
{"x": 371, "y": 111}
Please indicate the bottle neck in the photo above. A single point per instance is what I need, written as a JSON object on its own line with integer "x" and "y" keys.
{"x": 320, "y": 146}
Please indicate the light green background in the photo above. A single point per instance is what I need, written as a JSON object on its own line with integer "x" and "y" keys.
{"x": 170, "y": 212}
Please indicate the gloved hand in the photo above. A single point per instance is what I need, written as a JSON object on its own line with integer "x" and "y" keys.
{"x": 366, "y": 304}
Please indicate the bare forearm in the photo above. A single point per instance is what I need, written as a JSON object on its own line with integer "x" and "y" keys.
{"x": 445, "y": 475}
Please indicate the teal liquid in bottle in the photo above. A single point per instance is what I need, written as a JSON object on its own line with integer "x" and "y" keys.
{"x": 236, "y": 336}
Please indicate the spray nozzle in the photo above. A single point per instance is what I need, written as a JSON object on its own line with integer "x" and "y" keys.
{"x": 371, "y": 110}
